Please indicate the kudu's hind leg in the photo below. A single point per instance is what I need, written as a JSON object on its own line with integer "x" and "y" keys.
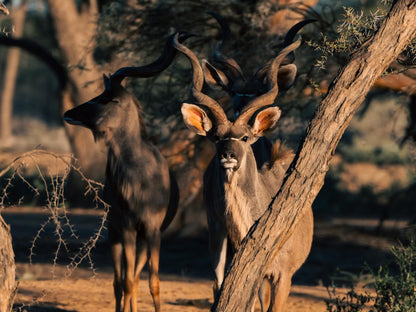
{"x": 265, "y": 294}
{"x": 280, "y": 292}
{"x": 117, "y": 257}
{"x": 154, "y": 282}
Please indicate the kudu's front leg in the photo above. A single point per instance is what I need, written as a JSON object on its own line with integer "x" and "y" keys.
{"x": 117, "y": 257}
{"x": 154, "y": 282}
{"x": 218, "y": 250}
{"x": 129, "y": 244}
{"x": 280, "y": 292}
{"x": 141, "y": 258}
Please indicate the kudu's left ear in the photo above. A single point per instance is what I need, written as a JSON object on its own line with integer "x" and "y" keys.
{"x": 196, "y": 119}
{"x": 214, "y": 77}
{"x": 266, "y": 120}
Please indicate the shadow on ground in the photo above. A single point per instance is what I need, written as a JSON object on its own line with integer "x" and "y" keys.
{"x": 337, "y": 245}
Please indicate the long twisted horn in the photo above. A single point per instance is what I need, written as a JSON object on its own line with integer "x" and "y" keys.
{"x": 155, "y": 67}
{"x": 290, "y": 36}
{"x": 197, "y": 83}
{"x": 218, "y": 55}
{"x": 269, "y": 97}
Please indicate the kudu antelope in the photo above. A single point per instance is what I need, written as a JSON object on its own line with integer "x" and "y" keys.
{"x": 241, "y": 89}
{"x": 139, "y": 187}
{"x": 236, "y": 192}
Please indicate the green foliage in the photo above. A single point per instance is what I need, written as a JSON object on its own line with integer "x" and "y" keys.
{"x": 351, "y": 302}
{"x": 397, "y": 292}
{"x": 354, "y": 28}
{"x": 394, "y": 292}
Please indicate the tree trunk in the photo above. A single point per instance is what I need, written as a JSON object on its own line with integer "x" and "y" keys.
{"x": 10, "y": 76}
{"x": 7, "y": 269}
{"x": 307, "y": 172}
{"x": 76, "y": 32}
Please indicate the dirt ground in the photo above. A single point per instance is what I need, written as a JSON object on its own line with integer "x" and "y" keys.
{"x": 339, "y": 245}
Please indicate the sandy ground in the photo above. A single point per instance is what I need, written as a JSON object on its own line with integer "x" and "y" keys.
{"x": 339, "y": 244}
{"x": 95, "y": 294}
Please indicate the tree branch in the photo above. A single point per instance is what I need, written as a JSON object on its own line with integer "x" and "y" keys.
{"x": 308, "y": 170}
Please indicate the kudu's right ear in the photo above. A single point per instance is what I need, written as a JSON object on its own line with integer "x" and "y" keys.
{"x": 214, "y": 77}
{"x": 196, "y": 119}
{"x": 266, "y": 121}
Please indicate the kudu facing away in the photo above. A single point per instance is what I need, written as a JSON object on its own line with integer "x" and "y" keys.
{"x": 139, "y": 187}
{"x": 236, "y": 192}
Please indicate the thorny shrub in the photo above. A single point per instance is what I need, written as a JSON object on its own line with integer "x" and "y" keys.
{"x": 394, "y": 292}
{"x": 51, "y": 181}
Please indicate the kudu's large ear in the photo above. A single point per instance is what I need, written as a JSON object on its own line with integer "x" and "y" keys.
{"x": 286, "y": 76}
{"x": 214, "y": 77}
{"x": 196, "y": 119}
{"x": 266, "y": 121}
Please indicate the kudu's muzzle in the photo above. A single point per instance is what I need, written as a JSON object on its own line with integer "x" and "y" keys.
{"x": 229, "y": 152}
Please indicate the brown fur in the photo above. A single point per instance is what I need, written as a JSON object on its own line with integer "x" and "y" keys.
{"x": 281, "y": 154}
{"x": 139, "y": 188}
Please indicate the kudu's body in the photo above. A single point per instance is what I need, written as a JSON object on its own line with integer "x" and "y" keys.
{"x": 139, "y": 187}
{"x": 238, "y": 186}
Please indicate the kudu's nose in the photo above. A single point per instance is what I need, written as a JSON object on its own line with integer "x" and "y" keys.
{"x": 228, "y": 155}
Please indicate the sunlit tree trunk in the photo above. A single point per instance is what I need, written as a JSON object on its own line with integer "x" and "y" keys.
{"x": 18, "y": 16}
{"x": 76, "y": 30}
{"x": 306, "y": 175}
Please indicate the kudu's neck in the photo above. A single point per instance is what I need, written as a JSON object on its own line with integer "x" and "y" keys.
{"x": 243, "y": 199}
{"x": 126, "y": 139}
{"x": 247, "y": 177}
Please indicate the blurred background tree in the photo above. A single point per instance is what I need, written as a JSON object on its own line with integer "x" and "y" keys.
{"x": 95, "y": 37}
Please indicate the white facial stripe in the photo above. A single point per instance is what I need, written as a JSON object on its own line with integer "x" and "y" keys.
{"x": 227, "y": 139}
{"x": 245, "y": 94}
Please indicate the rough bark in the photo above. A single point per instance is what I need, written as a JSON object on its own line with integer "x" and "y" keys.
{"x": 307, "y": 172}
{"x": 7, "y": 268}
{"x": 10, "y": 76}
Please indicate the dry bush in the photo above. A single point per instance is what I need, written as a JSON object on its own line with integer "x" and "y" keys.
{"x": 51, "y": 171}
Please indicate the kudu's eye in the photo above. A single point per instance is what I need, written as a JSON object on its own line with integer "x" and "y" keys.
{"x": 244, "y": 138}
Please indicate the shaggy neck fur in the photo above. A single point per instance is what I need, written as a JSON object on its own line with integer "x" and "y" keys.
{"x": 248, "y": 192}
{"x": 240, "y": 193}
